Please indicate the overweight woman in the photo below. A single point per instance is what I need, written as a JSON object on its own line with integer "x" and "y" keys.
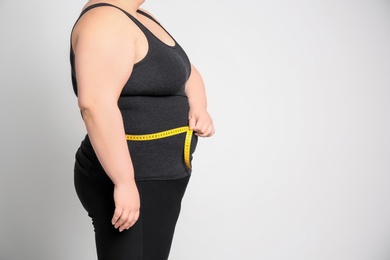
{"x": 144, "y": 106}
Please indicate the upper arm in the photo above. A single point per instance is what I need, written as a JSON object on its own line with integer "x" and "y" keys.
{"x": 194, "y": 73}
{"x": 104, "y": 49}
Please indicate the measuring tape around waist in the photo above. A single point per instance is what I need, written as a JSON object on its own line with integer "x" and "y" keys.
{"x": 168, "y": 133}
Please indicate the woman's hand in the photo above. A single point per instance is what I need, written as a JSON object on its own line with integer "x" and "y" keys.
{"x": 201, "y": 123}
{"x": 127, "y": 205}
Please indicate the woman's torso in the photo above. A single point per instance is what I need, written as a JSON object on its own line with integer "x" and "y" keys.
{"x": 152, "y": 100}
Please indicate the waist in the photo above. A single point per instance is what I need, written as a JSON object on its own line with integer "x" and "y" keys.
{"x": 144, "y": 114}
{"x": 166, "y": 134}
{"x": 160, "y": 158}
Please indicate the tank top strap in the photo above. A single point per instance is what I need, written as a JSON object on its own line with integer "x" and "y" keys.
{"x": 148, "y": 15}
{"x": 138, "y": 23}
{"x": 154, "y": 20}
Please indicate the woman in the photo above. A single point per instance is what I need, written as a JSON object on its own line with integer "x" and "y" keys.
{"x": 144, "y": 106}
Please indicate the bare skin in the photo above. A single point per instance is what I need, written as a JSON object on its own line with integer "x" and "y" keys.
{"x": 107, "y": 45}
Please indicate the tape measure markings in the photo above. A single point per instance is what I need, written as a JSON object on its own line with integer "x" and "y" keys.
{"x": 168, "y": 133}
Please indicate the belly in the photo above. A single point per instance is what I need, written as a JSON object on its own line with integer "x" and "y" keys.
{"x": 146, "y": 115}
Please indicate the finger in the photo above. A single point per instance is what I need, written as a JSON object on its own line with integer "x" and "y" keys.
{"x": 128, "y": 223}
{"x": 210, "y": 131}
{"x": 133, "y": 218}
{"x": 192, "y": 122}
{"x": 117, "y": 214}
{"x": 122, "y": 219}
{"x": 202, "y": 128}
{"x": 206, "y": 131}
{"x": 198, "y": 126}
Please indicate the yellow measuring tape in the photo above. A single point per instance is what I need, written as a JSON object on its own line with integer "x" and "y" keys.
{"x": 167, "y": 133}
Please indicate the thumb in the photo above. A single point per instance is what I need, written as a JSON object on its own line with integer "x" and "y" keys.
{"x": 192, "y": 122}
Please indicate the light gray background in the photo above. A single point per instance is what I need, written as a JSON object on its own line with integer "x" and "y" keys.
{"x": 299, "y": 166}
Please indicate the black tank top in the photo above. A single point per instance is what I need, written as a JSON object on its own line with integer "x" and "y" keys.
{"x": 152, "y": 100}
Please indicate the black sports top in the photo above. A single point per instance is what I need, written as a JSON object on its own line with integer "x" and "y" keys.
{"x": 152, "y": 100}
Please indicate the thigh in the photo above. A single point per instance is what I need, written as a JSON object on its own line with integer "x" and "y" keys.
{"x": 160, "y": 209}
{"x": 96, "y": 196}
{"x": 151, "y": 237}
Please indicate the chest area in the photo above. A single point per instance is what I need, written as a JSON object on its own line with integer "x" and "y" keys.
{"x": 163, "y": 71}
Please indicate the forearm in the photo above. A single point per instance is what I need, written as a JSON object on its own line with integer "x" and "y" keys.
{"x": 105, "y": 129}
{"x": 195, "y": 90}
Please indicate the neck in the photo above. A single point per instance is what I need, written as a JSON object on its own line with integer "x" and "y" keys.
{"x": 131, "y": 5}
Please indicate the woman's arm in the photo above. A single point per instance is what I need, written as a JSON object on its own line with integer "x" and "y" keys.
{"x": 199, "y": 119}
{"x": 104, "y": 58}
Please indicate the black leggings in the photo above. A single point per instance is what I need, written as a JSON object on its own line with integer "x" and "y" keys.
{"x": 151, "y": 236}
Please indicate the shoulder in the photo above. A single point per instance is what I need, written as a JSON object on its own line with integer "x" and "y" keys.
{"x": 98, "y": 16}
{"x": 102, "y": 22}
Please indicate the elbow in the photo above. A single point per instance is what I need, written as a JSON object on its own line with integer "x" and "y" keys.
{"x": 91, "y": 106}
{"x": 87, "y": 110}
{"x": 86, "y": 104}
